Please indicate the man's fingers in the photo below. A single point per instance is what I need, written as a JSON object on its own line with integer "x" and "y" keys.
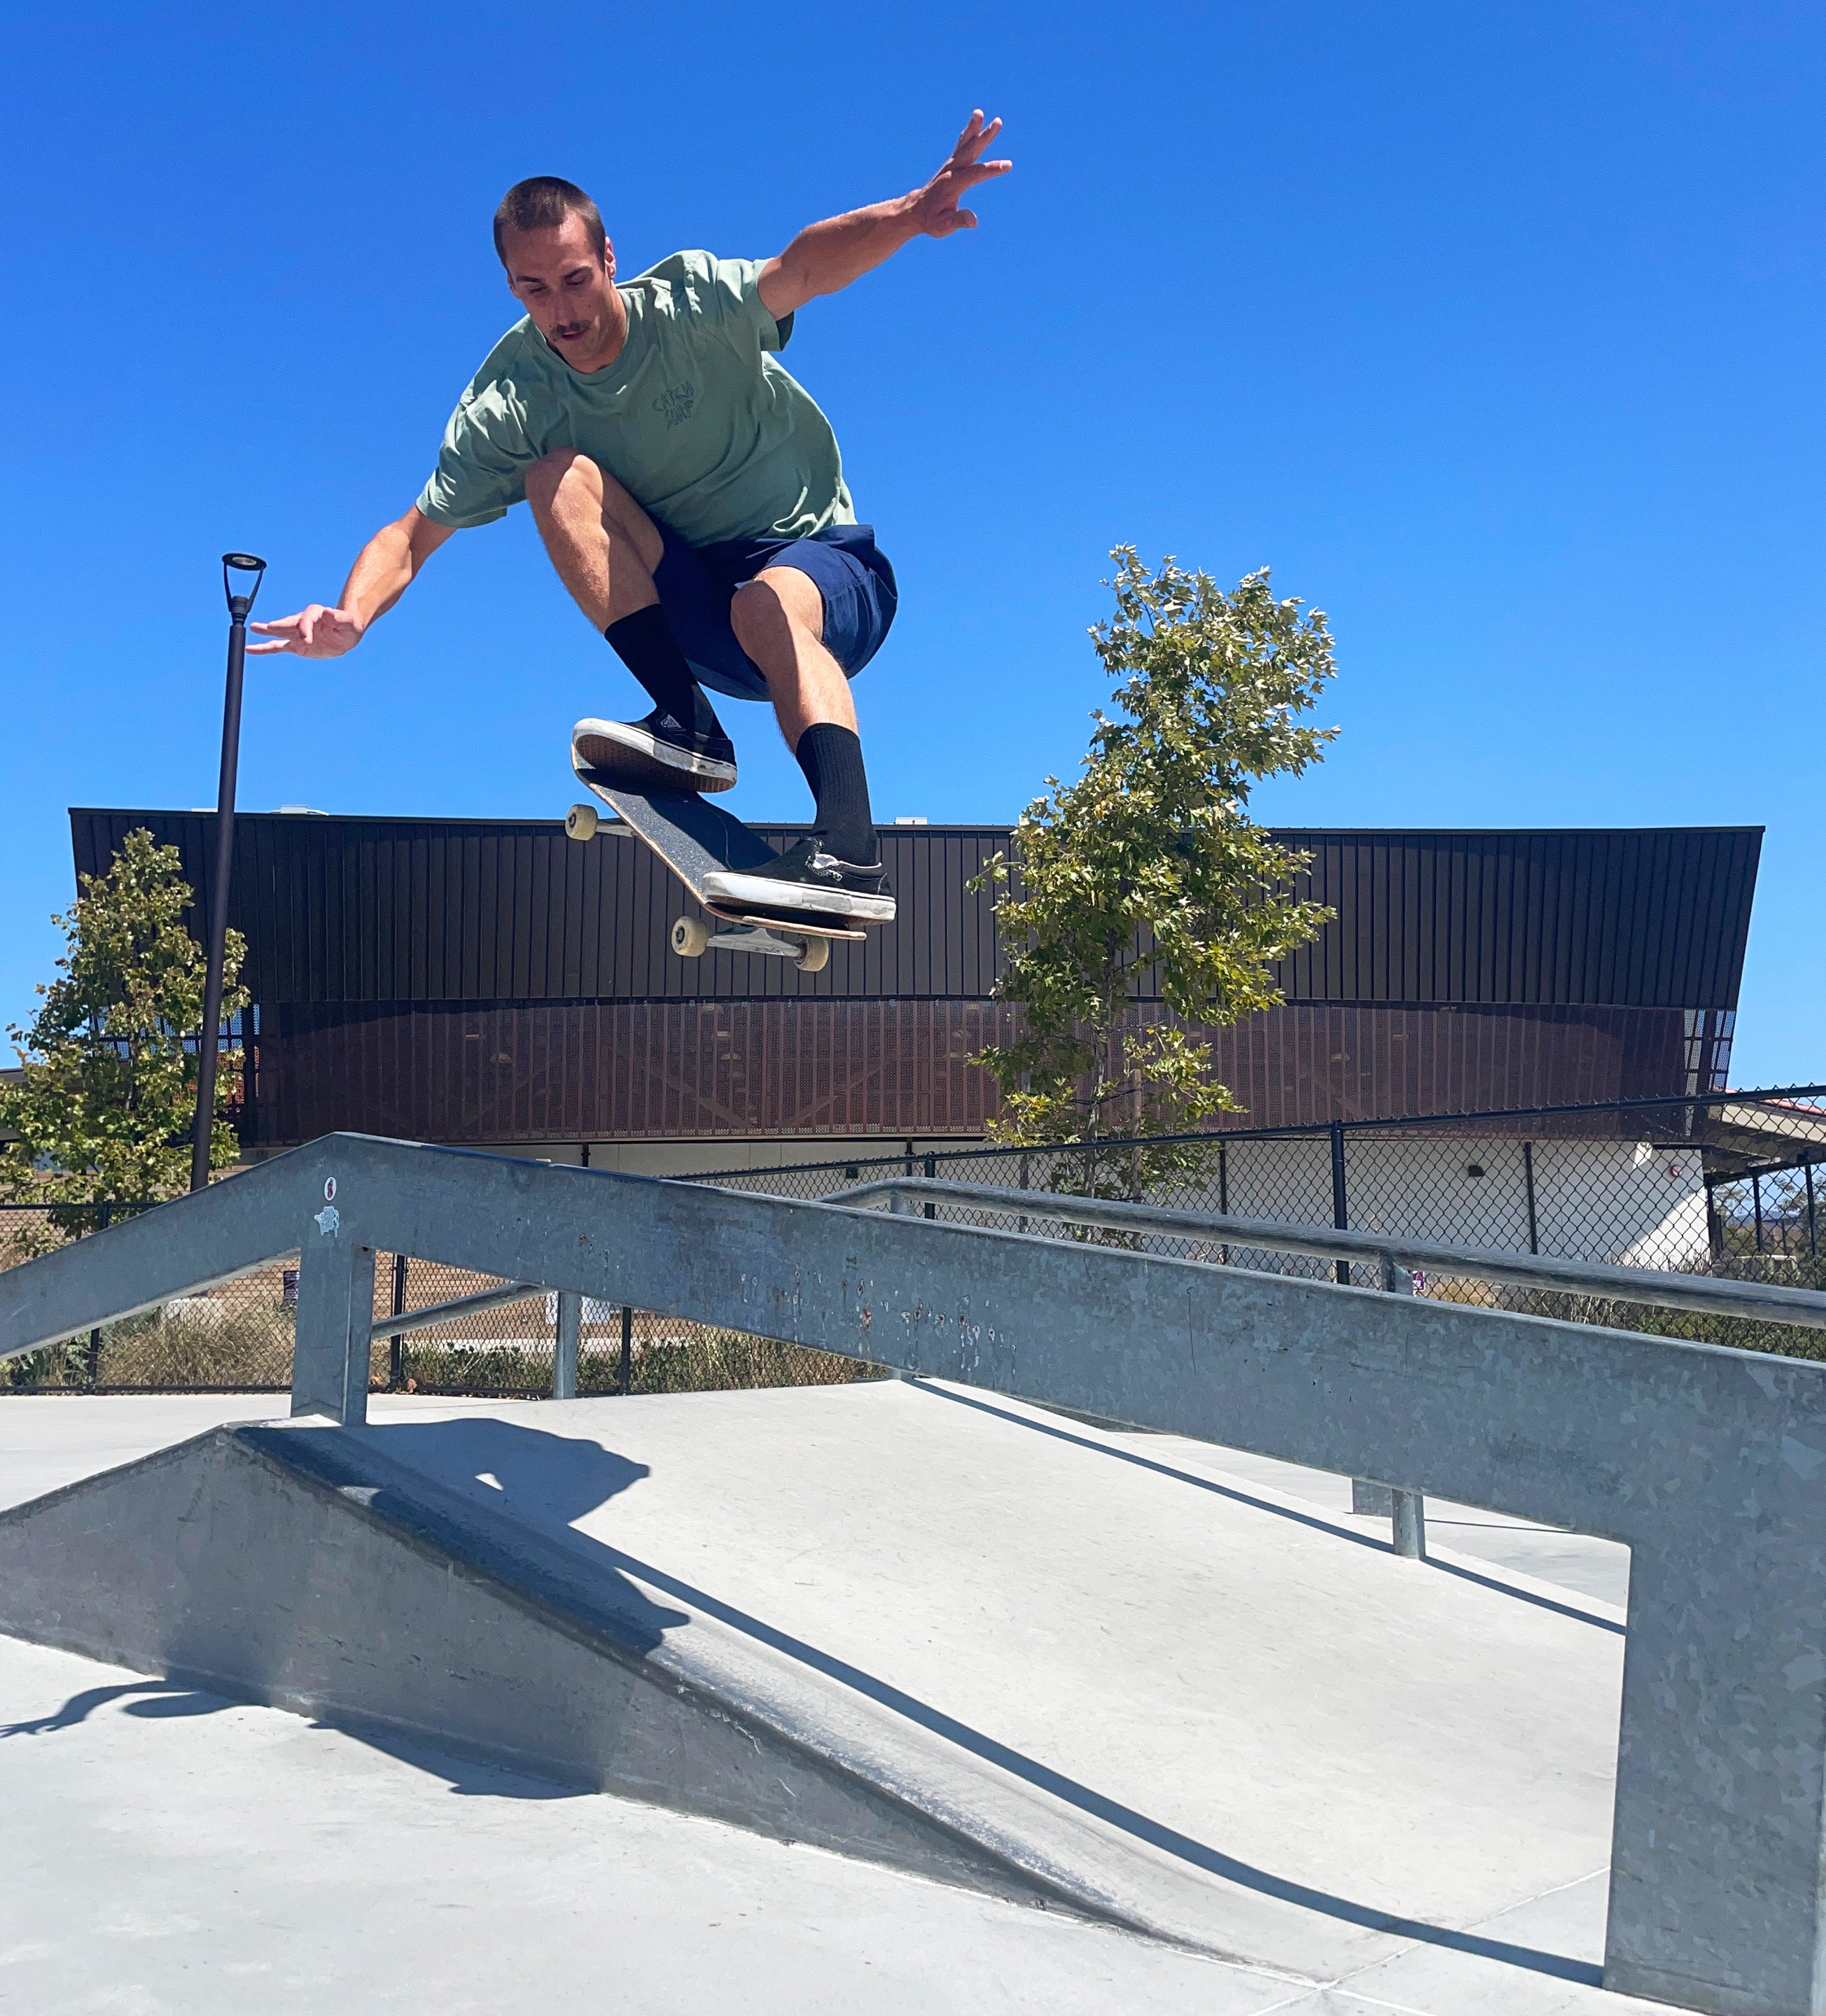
{"x": 974, "y": 138}
{"x": 301, "y": 634}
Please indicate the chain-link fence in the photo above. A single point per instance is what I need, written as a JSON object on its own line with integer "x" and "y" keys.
{"x": 237, "y": 1337}
{"x": 1731, "y": 1185}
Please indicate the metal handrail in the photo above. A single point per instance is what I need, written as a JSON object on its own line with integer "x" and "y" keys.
{"x": 465, "y": 1305}
{"x": 1756, "y": 1300}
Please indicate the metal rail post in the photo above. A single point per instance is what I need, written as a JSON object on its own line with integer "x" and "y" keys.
{"x": 568, "y": 1328}
{"x": 1812, "y": 1219}
{"x": 625, "y": 1377}
{"x": 1410, "y": 1508}
{"x": 335, "y": 1318}
{"x": 1405, "y": 1510}
{"x": 1528, "y": 1178}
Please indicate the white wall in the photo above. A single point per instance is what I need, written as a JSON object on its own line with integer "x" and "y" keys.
{"x": 692, "y": 1158}
{"x": 1628, "y": 1202}
{"x": 1625, "y": 1201}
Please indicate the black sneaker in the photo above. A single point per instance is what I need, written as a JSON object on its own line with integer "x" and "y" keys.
{"x": 807, "y": 878}
{"x": 655, "y": 753}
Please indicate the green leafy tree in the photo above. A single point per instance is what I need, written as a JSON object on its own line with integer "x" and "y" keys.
{"x": 1148, "y": 867}
{"x": 105, "y": 1107}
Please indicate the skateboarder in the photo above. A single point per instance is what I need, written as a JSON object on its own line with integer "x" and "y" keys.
{"x": 689, "y": 491}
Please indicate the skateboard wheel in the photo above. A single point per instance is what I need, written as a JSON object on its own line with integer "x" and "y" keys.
{"x": 690, "y": 937}
{"x": 581, "y": 822}
{"x": 815, "y": 956}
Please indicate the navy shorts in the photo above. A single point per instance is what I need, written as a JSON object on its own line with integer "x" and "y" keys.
{"x": 697, "y": 583}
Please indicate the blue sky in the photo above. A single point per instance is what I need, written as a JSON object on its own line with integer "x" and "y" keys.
{"x": 1494, "y": 330}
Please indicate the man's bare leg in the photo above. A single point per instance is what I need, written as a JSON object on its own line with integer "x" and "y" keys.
{"x": 604, "y": 546}
{"x": 606, "y": 550}
{"x": 778, "y": 618}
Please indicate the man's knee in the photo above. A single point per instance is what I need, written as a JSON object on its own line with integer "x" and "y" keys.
{"x": 765, "y": 612}
{"x": 567, "y": 481}
{"x": 564, "y": 468}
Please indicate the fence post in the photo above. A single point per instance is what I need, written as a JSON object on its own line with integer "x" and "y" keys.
{"x": 396, "y": 1343}
{"x": 1812, "y": 1222}
{"x": 94, "y": 1368}
{"x": 1340, "y": 1204}
{"x": 1756, "y": 1206}
{"x": 1223, "y": 1196}
{"x": 1527, "y": 1177}
{"x": 625, "y": 1377}
{"x": 931, "y": 1173}
{"x": 570, "y": 1323}
{"x": 1021, "y": 1222}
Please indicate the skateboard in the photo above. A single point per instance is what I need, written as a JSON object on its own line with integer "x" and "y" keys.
{"x": 699, "y": 841}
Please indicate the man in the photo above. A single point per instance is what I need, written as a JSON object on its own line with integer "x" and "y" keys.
{"x": 689, "y": 493}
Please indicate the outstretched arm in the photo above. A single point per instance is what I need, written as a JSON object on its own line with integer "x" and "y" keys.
{"x": 383, "y": 572}
{"x": 827, "y": 256}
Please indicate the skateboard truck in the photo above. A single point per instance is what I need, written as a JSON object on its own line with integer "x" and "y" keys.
{"x": 734, "y": 931}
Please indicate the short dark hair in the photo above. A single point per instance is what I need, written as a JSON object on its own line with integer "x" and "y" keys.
{"x": 541, "y": 203}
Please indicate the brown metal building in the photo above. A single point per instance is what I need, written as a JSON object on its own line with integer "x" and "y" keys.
{"x": 490, "y": 981}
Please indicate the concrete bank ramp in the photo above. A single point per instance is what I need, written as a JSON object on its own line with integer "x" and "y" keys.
{"x": 909, "y": 1622}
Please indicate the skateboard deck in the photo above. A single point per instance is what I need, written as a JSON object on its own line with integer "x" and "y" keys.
{"x": 695, "y": 838}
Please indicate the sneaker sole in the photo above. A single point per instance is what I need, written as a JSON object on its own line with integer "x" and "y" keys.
{"x": 643, "y": 762}
{"x": 769, "y": 892}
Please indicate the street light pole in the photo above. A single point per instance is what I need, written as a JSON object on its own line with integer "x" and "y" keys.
{"x": 239, "y": 606}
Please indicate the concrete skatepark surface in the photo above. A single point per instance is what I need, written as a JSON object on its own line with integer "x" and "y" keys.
{"x": 1318, "y": 1764}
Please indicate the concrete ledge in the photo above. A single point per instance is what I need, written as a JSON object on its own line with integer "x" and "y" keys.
{"x": 306, "y": 1571}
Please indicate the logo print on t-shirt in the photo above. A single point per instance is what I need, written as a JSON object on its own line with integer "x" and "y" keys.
{"x": 676, "y": 402}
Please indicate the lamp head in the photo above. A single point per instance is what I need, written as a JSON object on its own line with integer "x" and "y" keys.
{"x": 240, "y": 603}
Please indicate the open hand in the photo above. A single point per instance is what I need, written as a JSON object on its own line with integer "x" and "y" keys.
{"x": 315, "y": 632}
{"x": 937, "y": 209}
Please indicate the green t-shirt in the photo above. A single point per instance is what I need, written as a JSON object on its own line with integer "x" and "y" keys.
{"x": 694, "y": 419}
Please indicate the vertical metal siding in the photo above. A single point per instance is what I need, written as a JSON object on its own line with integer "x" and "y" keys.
{"x": 374, "y": 910}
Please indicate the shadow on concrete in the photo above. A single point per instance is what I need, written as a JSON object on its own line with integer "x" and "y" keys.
{"x": 159, "y": 1700}
{"x": 165, "y": 1701}
{"x": 528, "y": 1472}
{"x": 1315, "y": 1520}
{"x": 1086, "y": 1800}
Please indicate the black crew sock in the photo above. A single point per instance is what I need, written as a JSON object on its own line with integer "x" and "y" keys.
{"x": 832, "y": 760}
{"x": 645, "y": 644}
